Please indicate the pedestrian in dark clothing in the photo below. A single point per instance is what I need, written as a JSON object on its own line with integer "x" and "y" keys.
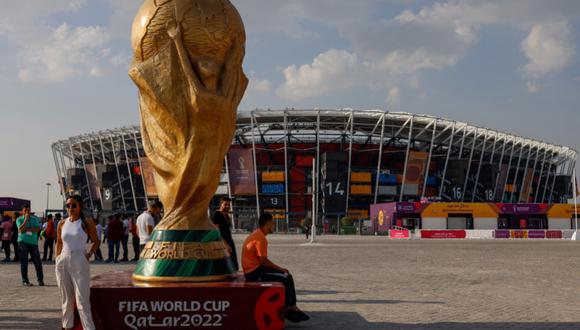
{"x": 114, "y": 237}
{"x": 6, "y": 234}
{"x": 98, "y": 254}
{"x": 15, "y": 239}
{"x": 49, "y": 237}
{"x": 135, "y": 240}
{"x": 57, "y": 218}
{"x": 221, "y": 218}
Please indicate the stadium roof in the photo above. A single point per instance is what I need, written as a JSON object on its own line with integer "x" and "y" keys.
{"x": 364, "y": 126}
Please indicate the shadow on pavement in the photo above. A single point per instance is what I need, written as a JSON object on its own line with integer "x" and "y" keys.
{"x": 367, "y": 301}
{"x": 353, "y": 320}
{"x": 321, "y": 292}
{"x": 30, "y": 310}
{"x": 28, "y": 322}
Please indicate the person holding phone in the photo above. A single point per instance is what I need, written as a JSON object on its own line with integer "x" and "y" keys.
{"x": 72, "y": 263}
{"x": 28, "y": 228}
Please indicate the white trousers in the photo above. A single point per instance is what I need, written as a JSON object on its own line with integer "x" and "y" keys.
{"x": 73, "y": 279}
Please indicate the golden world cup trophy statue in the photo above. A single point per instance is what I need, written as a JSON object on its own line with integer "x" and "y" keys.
{"x": 188, "y": 68}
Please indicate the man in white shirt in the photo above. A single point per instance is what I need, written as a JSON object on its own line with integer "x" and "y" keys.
{"x": 125, "y": 240}
{"x": 146, "y": 223}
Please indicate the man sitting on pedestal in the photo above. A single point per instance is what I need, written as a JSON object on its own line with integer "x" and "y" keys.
{"x": 258, "y": 268}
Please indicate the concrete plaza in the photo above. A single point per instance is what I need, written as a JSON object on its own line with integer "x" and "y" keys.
{"x": 376, "y": 283}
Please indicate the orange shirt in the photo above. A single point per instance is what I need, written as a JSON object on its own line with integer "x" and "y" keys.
{"x": 255, "y": 246}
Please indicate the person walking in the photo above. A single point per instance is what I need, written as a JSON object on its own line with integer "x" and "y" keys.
{"x": 146, "y": 223}
{"x": 6, "y": 228}
{"x": 125, "y": 239}
{"x": 15, "y": 239}
{"x": 57, "y": 219}
{"x": 99, "y": 227}
{"x": 49, "y": 236}
{"x": 221, "y": 218}
{"x": 114, "y": 237}
{"x": 135, "y": 238}
{"x": 72, "y": 264}
{"x": 28, "y": 228}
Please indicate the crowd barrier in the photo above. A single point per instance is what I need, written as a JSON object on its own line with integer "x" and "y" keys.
{"x": 528, "y": 234}
{"x": 479, "y": 234}
{"x": 519, "y": 234}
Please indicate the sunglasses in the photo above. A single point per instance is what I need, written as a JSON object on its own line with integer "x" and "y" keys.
{"x": 71, "y": 206}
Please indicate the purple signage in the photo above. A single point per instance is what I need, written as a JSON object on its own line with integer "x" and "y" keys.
{"x": 536, "y": 234}
{"x": 12, "y": 204}
{"x": 408, "y": 207}
{"x": 522, "y": 208}
{"x": 502, "y": 234}
{"x": 382, "y": 215}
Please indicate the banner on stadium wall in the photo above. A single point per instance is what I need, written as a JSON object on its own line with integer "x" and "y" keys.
{"x": 443, "y": 234}
{"x": 94, "y": 184}
{"x": 382, "y": 215}
{"x": 523, "y": 209}
{"x": 410, "y": 207}
{"x": 149, "y": 176}
{"x": 477, "y": 210}
{"x": 416, "y": 168}
{"x": 501, "y": 177}
{"x": 242, "y": 175}
{"x": 527, "y": 186}
{"x": 562, "y": 211}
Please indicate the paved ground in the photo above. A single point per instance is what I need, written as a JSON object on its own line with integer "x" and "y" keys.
{"x": 375, "y": 283}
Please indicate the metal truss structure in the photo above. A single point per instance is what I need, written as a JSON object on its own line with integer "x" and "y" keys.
{"x": 463, "y": 163}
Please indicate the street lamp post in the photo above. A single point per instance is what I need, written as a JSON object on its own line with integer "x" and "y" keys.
{"x": 47, "y": 195}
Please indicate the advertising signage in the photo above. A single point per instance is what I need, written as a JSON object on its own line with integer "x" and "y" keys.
{"x": 524, "y": 209}
{"x": 241, "y": 168}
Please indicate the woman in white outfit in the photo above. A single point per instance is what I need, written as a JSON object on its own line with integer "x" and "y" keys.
{"x": 72, "y": 264}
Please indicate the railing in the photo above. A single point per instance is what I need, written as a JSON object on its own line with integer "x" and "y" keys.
{"x": 491, "y": 234}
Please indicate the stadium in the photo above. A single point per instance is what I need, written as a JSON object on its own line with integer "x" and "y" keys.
{"x": 364, "y": 157}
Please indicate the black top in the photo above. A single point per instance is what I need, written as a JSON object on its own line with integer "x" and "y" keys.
{"x": 224, "y": 224}
{"x": 14, "y": 232}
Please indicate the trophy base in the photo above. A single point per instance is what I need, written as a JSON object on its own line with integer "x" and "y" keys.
{"x": 184, "y": 256}
{"x": 118, "y": 303}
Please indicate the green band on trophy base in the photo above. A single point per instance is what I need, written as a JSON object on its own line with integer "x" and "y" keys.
{"x": 184, "y": 256}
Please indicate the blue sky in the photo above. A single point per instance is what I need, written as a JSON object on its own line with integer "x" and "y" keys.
{"x": 508, "y": 65}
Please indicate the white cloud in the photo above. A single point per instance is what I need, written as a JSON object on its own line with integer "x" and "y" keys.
{"x": 549, "y": 48}
{"x": 26, "y": 19}
{"x": 260, "y": 85}
{"x": 121, "y": 59}
{"x": 393, "y": 97}
{"x": 52, "y": 51}
{"x": 334, "y": 69}
{"x": 533, "y": 87}
{"x": 414, "y": 82}
{"x": 64, "y": 54}
{"x": 398, "y": 49}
